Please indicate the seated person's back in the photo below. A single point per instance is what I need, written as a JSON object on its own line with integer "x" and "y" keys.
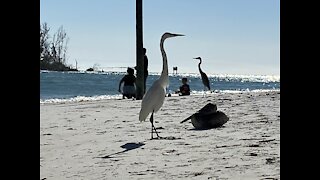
{"x": 129, "y": 89}
{"x": 184, "y": 88}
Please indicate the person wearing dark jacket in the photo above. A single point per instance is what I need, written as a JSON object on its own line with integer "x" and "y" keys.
{"x": 145, "y": 63}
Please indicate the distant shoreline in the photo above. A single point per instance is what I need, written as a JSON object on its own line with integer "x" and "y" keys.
{"x": 119, "y": 96}
{"x": 276, "y": 77}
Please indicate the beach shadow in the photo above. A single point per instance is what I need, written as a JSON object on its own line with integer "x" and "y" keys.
{"x": 204, "y": 129}
{"x": 165, "y": 138}
{"x": 126, "y": 147}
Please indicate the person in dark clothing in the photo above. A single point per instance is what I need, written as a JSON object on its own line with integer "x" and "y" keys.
{"x": 129, "y": 89}
{"x": 145, "y": 62}
{"x": 184, "y": 89}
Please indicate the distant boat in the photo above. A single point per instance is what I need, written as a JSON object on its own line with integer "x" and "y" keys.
{"x": 44, "y": 71}
{"x": 90, "y": 69}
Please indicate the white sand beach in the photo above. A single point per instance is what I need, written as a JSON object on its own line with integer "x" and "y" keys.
{"x": 104, "y": 139}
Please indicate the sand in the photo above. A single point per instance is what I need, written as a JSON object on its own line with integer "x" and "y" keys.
{"x": 104, "y": 139}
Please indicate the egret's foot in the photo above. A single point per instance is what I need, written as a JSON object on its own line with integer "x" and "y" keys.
{"x": 158, "y": 137}
{"x": 167, "y": 138}
{"x": 170, "y": 138}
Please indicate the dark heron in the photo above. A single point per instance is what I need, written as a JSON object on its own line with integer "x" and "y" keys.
{"x": 204, "y": 77}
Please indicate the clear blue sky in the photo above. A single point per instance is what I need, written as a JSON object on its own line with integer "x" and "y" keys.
{"x": 231, "y": 36}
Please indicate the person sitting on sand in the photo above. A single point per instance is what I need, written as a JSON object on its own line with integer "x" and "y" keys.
{"x": 184, "y": 89}
{"x": 129, "y": 89}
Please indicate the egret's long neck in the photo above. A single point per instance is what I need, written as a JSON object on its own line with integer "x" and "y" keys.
{"x": 164, "y": 74}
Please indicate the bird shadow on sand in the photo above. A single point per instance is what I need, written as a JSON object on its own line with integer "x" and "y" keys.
{"x": 204, "y": 129}
{"x": 126, "y": 147}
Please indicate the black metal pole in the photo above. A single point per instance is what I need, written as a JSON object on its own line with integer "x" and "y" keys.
{"x": 139, "y": 51}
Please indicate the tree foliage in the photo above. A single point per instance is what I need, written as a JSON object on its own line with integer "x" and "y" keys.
{"x": 53, "y": 53}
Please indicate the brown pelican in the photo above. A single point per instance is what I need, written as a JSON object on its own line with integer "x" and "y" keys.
{"x": 207, "y": 117}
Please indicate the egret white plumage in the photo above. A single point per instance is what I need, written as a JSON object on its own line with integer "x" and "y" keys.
{"x": 154, "y": 98}
{"x": 204, "y": 77}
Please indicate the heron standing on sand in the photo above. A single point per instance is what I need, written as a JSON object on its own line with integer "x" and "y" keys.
{"x": 204, "y": 77}
{"x": 154, "y": 98}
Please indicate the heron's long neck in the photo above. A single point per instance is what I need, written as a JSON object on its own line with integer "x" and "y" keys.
{"x": 164, "y": 74}
{"x": 199, "y": 66}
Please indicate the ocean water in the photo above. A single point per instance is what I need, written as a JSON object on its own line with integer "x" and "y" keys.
{"x": 79, "y": 86}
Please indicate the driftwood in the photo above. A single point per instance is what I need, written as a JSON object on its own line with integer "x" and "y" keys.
{"x": 207, "y": 117}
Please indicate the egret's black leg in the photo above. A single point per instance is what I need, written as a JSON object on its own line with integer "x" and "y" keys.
{"x": 152, "y": 127}
{"x": 151, "y": 120}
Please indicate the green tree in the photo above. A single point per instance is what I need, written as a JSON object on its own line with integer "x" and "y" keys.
{"x": 53, "y": 54}
{"x": 44, "y": 41}
{"x": 59, "y": 45}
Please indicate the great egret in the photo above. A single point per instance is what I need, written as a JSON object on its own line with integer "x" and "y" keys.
{"x": 204, "y": 77}
{"x": 154, "y": 98}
